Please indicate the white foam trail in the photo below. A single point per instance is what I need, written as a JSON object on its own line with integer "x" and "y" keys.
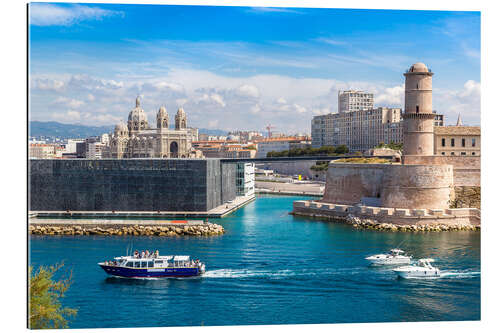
{"x": 459, "y": 274}
{"x": 244, "y": 273}
{"x": 248, "y": 273}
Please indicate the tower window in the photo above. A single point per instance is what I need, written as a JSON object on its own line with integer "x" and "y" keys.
{"x": 453, "y": 142}
{"x": 417, "y": 109}
{"x": 443, "y": 142}
{"x": 463, "y": 142}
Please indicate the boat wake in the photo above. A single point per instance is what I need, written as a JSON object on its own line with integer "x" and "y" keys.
{"x": 459, "y": 275}
{"x": 278, "y": 274}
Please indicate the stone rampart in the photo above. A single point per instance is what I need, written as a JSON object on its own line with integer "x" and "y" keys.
{"x": 395, "y": 216}
{"x": 392, "y": 185}
{"x": 347, "y": 183}
{"x": 417, "y": 186}
{"x": 466, "y": 169}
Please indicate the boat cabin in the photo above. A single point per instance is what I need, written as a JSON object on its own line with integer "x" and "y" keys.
{"x": 159, "y": 262}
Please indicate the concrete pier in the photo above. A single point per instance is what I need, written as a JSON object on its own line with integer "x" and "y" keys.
{"x": 218, "y": 212}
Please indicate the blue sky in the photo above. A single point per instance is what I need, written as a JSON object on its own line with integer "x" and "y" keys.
{"x": 242, "y": 67}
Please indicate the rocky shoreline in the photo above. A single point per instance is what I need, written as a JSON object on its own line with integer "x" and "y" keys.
{"x": 363, "y": 223}
{"x": 357, "y": 222}
{"x": 206, "y": 229}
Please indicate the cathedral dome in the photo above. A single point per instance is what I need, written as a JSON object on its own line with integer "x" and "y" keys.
{"x": 121, "y": 127}
{"x": 137, "y": 119}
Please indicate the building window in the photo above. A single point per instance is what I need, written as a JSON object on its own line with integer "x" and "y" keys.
{"x": 452, "y": 153}
{"x": 473, "y": 153}
{"x": 473, "y": 142}
{"x": 442, "y": 153}
{"x": 463, "y": 142}
{"x": 463, "y": 153}
{"x": 453, "y": 142}
{"x": 417, "y": 109}
{"x": 443, "y": 142}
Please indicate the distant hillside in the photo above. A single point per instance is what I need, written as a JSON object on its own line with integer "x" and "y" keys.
{"x": 65, "y": 131}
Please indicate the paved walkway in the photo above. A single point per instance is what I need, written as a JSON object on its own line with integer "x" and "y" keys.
{"x": 313, "y": 189}
{"x": 217, "y": 212}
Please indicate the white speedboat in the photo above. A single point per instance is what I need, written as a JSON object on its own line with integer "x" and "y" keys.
{"x": 423, "y": 269}
{"x": 394, "y": 257}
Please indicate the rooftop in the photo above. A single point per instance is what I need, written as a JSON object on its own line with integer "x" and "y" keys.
{"x": 457, "y": 130}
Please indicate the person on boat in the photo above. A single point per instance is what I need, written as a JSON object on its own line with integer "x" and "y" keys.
{"x": 136, "y": 254}
{"x": 157, "y": 253}
{"x": 147, "y": 253}
{"x": 142, "y": 254}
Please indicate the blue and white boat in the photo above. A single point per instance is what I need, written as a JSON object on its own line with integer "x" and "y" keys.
{"x": 154, "y": 266}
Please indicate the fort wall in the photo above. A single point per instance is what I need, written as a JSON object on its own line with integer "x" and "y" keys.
{"x": 466, "y": 169}
{"x": 392, "y": 185}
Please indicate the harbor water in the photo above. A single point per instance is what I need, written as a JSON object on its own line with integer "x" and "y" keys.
{"x": 270, "y": 268}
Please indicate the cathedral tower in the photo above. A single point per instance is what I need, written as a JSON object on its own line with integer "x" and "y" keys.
{"x": 162, "y": 118}
{"x": 180, "y": 119}
{"x": 418, "y": 132}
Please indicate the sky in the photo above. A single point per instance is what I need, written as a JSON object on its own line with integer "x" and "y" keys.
{"x": 241, "y": 68}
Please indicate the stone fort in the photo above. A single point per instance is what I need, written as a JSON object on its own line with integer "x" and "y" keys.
{"x": 422, "y": 180}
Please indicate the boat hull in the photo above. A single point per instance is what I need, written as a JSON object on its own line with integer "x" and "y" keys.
{"x": 129, "y": 272}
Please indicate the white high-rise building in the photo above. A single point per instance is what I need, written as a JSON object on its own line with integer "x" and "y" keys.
{"x": 353, "y": 100}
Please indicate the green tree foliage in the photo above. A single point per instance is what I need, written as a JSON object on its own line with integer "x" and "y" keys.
{"x": 309, "y": 151}
{"x": 45, "y": 309}
{"x": 391, "y": 145}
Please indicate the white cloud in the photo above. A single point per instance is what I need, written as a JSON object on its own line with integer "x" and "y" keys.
{"x": 255, "y": 109}
{"x": 320, "y": 111}
{"x": 47, "y": 84}
{"x": 68, "y": 102}
{"x": 213, "y": 123}
{"x": 235, "y": 102}
{"x": 45, "y": 14}
{"x": 249, "y": 91}
{"x": 465, "y": 101}
{"x": 217, "y": 99}
{"x": 392, "y": 96}
{"x": 299, "y": 108}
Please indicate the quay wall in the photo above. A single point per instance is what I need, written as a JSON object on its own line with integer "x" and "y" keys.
{"x": 130, "y": 184}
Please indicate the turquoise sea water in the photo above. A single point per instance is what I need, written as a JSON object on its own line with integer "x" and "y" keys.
{"x": 270, "y": 268}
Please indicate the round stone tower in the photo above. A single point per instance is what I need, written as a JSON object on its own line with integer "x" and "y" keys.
{"x": 418, "y": 132}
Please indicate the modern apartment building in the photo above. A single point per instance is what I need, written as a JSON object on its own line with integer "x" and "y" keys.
{"x": 280, "y": 144}
{"x": 360, "y": 130}
{"x": 353, "y": 100}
